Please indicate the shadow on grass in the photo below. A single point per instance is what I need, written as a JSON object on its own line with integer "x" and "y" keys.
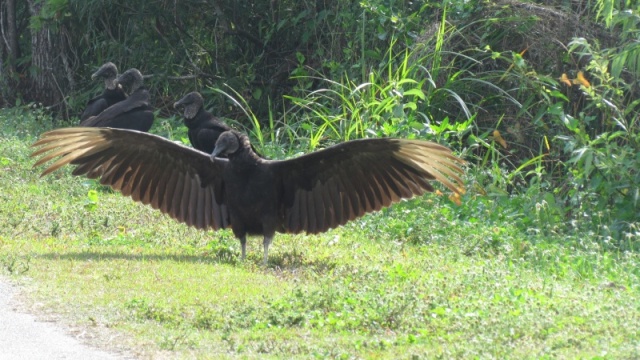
{"x": 284, "y": 262}
{"x": 292, "y": 261}
{"x": 101, "y": 256}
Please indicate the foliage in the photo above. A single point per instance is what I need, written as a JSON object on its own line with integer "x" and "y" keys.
{"x": 251, "y": 46}
{"x": 604, "y": 142}
{"x": 479, "y": 76}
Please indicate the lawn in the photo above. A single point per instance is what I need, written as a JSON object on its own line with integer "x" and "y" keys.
{"x": 423, "y": 279}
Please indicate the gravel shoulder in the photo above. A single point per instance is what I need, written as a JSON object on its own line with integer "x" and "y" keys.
{"x": 24, "y": 336}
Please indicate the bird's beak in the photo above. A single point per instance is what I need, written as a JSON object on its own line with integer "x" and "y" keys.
{"x": 94, "y": 76}
{"x": 176, "y": 104}
{"x": 215, "y": 153}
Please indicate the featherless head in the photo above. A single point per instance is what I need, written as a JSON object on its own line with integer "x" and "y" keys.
{"x": 130, "y": 80}
{"x": 227, "y": 144}
{"x": 191, "y": 103}
{"x": 106, "y": 71}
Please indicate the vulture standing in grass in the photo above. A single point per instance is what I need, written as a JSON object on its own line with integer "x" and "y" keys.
{"x": 204, "y": 128}
{"x": 112, "y": 93}
{"x": 133, "y": 113}
{"x": 311, "y": 193}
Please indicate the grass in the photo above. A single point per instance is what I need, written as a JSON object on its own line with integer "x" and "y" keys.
{"x": 423, "y": 279}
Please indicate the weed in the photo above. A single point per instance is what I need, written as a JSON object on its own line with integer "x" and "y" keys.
{"x": 16, "y": 265}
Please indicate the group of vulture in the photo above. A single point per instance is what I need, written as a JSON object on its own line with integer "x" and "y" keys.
{"x": 222, "y": 182}
{"x": 125, "y": 104}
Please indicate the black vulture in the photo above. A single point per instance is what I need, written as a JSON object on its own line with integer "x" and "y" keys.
{"x": 112, "y": 93}
{"x": 204, "y": 128}
{"x": 133, "y": 113}
{"x": 311, "y": 193}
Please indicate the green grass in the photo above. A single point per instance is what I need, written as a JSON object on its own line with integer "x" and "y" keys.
{"x": 423, "y": 279}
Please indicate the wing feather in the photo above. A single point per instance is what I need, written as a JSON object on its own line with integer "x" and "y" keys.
{"x": 319, "y": 207}
{"x": 159, "y": 188}
{"x": 343, "y": 197}
{"x": 351, "y": 192}
{"x": 146, "y": 167}
{"x": 327, "y": 188}
{"x": 304, "y": 214}
{"x": 164, "y": 202}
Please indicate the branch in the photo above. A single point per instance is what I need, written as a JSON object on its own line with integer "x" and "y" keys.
{"x": 183, "y": 77}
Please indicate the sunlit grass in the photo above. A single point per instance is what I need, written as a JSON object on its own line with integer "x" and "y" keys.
{"x": 424, "y": 278}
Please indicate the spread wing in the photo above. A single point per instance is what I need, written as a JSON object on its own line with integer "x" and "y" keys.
{"x": 327, "y": 188}
{"x": 175, "y": 179}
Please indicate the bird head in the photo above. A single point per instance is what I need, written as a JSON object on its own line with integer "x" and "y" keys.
{"x": 130, "y": 80}
{"x": 228, "y": 143}
{"x": 191, "y": 103}
{"x": 106, "y": 71}
{"x": 109, "y": 72}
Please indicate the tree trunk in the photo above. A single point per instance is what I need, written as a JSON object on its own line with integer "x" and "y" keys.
{"x": 13, "y": 52}
{"x": 3, "y": 78}
{"x": 45, "y": 58}
{"x": 9, "y": 51}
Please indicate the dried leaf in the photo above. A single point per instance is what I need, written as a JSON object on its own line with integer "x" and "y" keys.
{"x": 582, "y": 80}
{"x": 565, "y": 79}
{"x": 499, "y": 139}
{"x": 455, "y": 198}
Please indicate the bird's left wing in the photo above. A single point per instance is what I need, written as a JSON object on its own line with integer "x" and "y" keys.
{"x": 175, "y": 179}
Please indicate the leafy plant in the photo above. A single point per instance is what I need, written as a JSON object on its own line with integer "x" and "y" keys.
{"x": 603, "y": 144}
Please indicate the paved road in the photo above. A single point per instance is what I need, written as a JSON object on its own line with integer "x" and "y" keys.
{"x": 23, "y": 337}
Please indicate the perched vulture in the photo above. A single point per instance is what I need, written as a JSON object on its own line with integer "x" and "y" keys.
{"x": 112, "y": 93}
{"x": 311, "y": 193}
{"x": 133, "y": 113}
{"x": 204, "y": 128}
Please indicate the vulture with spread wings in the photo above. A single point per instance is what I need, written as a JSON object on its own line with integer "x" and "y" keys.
{"x": 311, "y": 193}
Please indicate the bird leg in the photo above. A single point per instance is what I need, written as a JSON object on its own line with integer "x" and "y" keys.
{"x": 266, "y": 243}
{"x": 243, "y": 244}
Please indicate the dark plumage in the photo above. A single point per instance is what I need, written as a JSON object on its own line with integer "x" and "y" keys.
{"x": 204, "y": 128}
{"x": 311, "y": 193}
{"x": 133, "y": 113}
{"x": 112, "y": 93}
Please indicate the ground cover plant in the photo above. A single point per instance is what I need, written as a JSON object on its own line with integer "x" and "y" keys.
{"x": 424, "y": 278}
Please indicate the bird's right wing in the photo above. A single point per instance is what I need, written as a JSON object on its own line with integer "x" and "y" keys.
{"x": 327, "y": 188}
{"x": 175, "y": 179}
